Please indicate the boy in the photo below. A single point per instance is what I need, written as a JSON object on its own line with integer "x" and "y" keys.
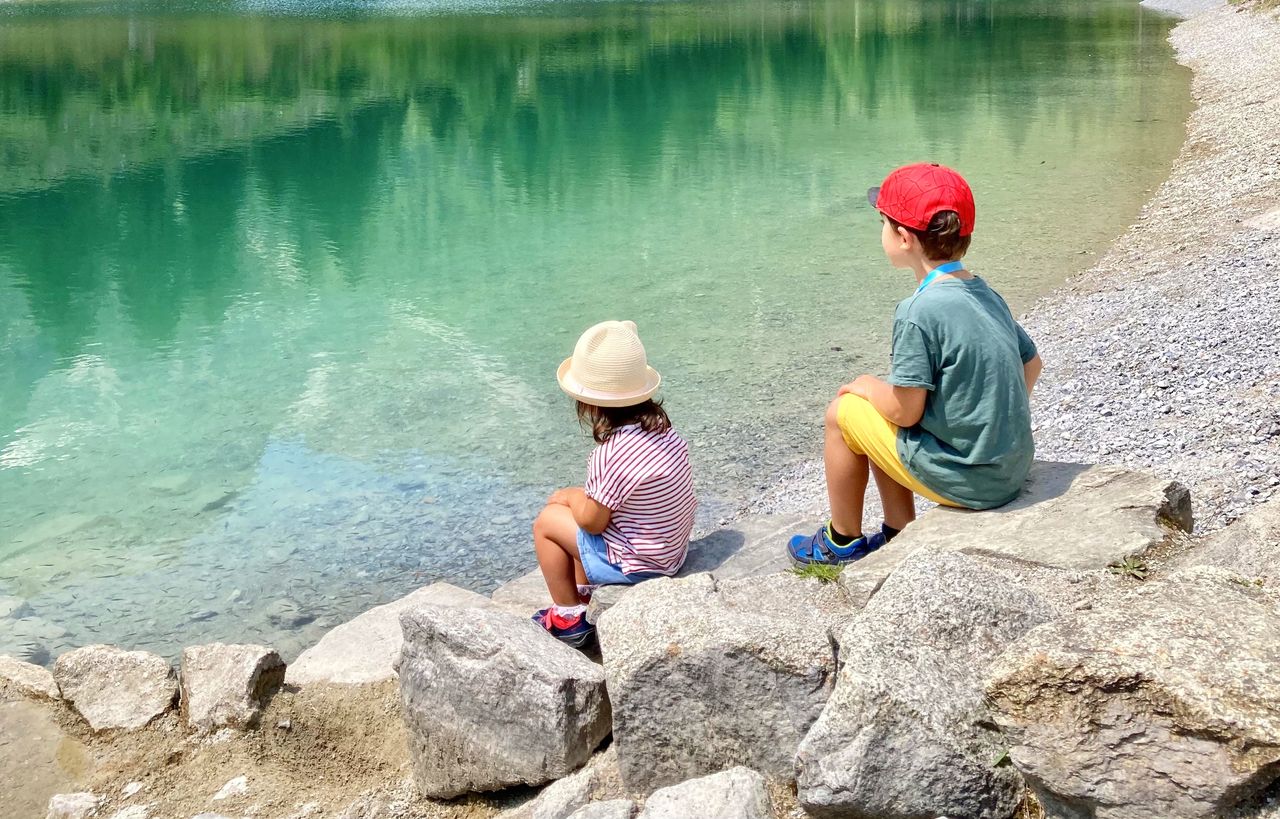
{"x": 952, "y": 422}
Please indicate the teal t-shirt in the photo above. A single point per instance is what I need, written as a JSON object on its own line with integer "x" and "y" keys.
{"x": 957, "y": 339}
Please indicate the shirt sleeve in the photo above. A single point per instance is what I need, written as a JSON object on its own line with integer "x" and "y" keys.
{"x": 1026, "y": 347}
{"x": 610, "y": 483}
{"x": 912, "y": 364}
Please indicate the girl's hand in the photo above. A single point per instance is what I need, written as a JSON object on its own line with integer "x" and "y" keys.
{"x": 562, "y": 497}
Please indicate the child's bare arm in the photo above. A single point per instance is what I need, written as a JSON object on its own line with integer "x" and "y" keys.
{"x": 590, "y": 516}
{"x": 903, "y": 406}
{"x": 1031, "y": 372}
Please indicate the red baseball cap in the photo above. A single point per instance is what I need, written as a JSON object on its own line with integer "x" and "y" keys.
{"x": 913, "y": 194}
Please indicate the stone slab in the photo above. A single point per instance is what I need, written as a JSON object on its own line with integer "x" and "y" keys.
{"x": 364, "y": 650}
{"x": 1250, "y": 546}
{"x": 750, "y": 547}
{"x": 1069, "y": 516}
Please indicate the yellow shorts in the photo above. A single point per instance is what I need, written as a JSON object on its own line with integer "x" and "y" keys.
{"x": 869, "y": 433}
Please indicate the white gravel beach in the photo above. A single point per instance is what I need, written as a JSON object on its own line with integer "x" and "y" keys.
{"x": 1165, "y": 354}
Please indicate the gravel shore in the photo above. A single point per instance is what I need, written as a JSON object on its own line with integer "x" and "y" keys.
{"x": 1165, "y": 355}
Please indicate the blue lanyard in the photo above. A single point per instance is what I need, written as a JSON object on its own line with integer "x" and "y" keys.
{"x": 949, "y": 267}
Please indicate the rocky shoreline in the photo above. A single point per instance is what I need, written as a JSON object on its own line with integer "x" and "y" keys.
{"x": 1164, "y": 355}
{"x": 934, "y": 678}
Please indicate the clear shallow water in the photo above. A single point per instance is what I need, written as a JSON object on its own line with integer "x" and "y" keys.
{"x": 283, "y": 288}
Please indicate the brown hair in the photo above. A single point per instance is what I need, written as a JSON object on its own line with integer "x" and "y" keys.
{"x": 604, "y": 421}
{"x": 942, "y": 240}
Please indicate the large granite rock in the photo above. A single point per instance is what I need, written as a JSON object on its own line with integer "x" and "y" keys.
{"x": 224, "y": 685}
{"x": 364, "y": 650}
{"x": 1250, "y": 546}
{"x": 704, "y": 675}
{"x": 26, "y": 679}
{"x": 906, "y": 734}
{"x": 1164, "y": 703}
{"x": 1069, "y": 516}
{"x": 738, "y": 793}
{"x": 491, "y": 700}
{"x": 114, "y": 688}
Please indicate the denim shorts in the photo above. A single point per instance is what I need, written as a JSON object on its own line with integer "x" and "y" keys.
{"x": 594, "y": 555}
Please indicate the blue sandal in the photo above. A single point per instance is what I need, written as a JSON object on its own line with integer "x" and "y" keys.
{"x": 818, "y": 548}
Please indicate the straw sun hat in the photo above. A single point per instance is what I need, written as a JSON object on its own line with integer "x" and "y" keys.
{"x": 608, "y": 367}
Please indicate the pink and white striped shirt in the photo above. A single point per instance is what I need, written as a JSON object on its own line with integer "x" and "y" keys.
{"x": 644, "y": 477}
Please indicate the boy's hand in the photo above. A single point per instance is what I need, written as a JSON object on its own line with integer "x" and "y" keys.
{"x": 902, "y": 406}
{"x": 860, "y": 386}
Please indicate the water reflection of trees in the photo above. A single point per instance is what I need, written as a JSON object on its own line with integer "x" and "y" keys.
{"x": 93, "y": 96}
{"x": 541, "y": 106}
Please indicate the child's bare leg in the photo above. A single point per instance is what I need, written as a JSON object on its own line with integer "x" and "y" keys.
{"x": 555, "y": 540}
{"x": 898, "y": 501}
{"x": 846, "y": 477}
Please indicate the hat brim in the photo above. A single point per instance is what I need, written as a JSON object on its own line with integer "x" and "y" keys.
{"x": 873, "y": 195}
{"x": 600, "y": 398}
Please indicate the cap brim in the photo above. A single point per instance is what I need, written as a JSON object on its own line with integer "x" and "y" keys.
{"x": 873, "y": 195}
{"x": 606, "y": 399}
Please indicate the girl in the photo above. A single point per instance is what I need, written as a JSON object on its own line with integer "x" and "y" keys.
{"x": 632, "y": 519}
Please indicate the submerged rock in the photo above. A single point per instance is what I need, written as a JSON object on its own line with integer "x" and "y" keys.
{"x": 491, "y": 700}
{"x": 223, "y": 685}
{"x": 1164, "y": 703}
{"x": 14, "y": 608}
{"x": 703, "y": 675}
{"x": 114, "y": 688}
{"x": 287, "y": 613}
{"x": 906, "y": 733}
{"x": 22, "y": 647}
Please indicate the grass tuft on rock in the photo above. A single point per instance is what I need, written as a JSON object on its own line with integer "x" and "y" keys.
{"x": 818, "y": 571}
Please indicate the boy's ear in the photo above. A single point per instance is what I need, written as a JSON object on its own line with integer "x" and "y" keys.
{"x": 906, "y": 236}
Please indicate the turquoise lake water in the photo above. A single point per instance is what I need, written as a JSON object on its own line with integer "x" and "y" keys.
{"x": 283, "y": 287}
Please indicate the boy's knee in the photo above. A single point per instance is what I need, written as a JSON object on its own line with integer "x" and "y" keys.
{"x": 833, "y": 413}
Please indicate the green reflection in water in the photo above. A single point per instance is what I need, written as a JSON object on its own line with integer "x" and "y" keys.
{"x": 270, "y": 282}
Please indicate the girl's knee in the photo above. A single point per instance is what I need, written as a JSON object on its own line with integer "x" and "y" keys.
{"x": 541, "y": 522}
